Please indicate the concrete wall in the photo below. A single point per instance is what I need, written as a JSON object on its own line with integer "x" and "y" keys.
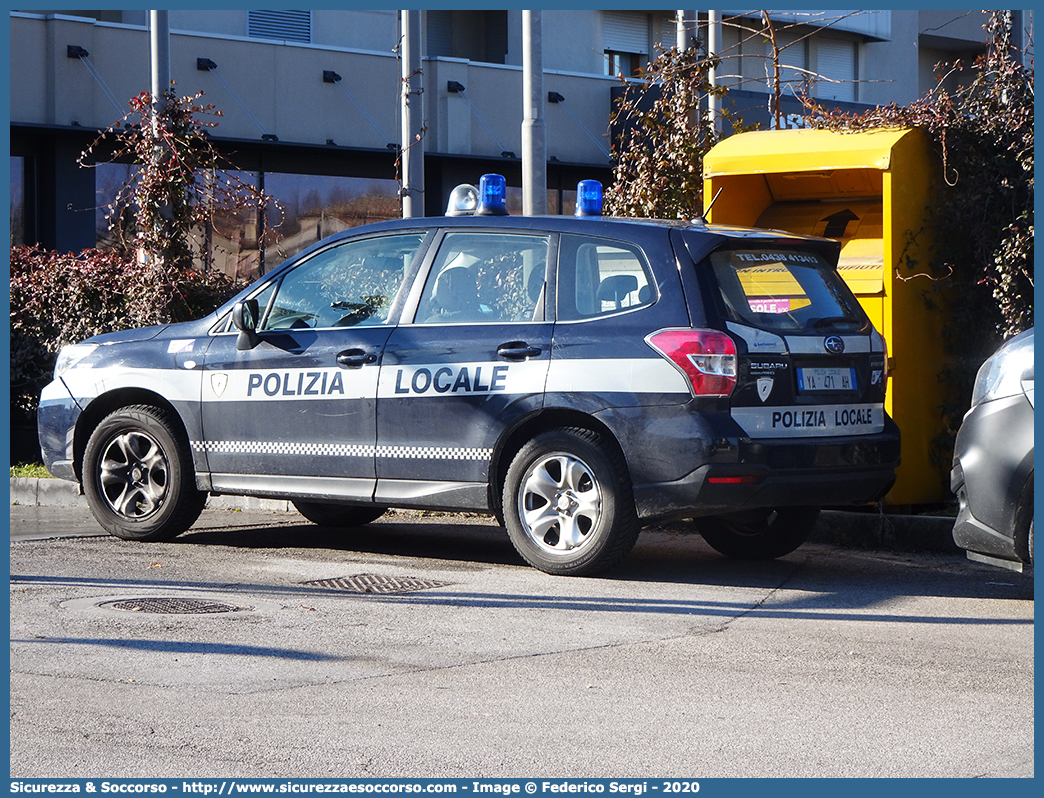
{"x": 954, "y": 29}
{"x": 281, "y": 86}
{"x": 893, "y": 64}
{"x": 573, "y": 41}
{"x": 896, "y": 61}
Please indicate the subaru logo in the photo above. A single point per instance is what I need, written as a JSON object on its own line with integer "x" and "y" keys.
{"x": 834, "y": 345}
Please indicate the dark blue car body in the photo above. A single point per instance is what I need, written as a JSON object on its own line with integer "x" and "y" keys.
{"x": 403, "y": 394}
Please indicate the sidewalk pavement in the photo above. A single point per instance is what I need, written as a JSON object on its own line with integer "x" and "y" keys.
{"x": 863, "y": 528}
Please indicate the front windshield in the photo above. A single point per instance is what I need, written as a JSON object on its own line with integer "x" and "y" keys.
{"x": 784, "y": 290}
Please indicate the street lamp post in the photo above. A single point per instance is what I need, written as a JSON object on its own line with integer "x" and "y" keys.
{"x": 534, "y": 138}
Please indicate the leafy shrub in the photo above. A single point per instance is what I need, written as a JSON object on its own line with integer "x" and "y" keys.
{"x": 663, "y": 137}
{"x": 148, "y": 278}
{"x": 982, "y": 221}
{"x": 182, "y": 181}
{"x": 58, "y": 299}
{"x": 983, "y": 228}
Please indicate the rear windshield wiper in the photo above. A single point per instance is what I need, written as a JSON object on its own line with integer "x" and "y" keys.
{"x": 830, "y": 321}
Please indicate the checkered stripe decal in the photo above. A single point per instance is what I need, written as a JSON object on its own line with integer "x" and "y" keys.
{"x": 432, "y": 453}
{"x": 283, "y": 447}
{"x": 342, "y": 450}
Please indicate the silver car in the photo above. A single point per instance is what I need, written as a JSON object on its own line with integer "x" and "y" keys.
{"x": 992, "y": 472}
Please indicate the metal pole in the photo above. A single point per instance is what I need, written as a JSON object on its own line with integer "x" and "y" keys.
{"x": 412, "y": 117}
{"x": 713, "y": 47}
{"x": 159, "y": 63}
{"x": 685, "y": 24}
{"x": 686, "y": 29}
{"x": 534, "y": 138}
{"x": 159, "y": 48}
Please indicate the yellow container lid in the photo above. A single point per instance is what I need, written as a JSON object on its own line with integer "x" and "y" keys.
{"x": 765, "y": 151}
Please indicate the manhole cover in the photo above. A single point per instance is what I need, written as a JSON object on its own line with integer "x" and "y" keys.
{"x": 175, "y": 606}
{"x": 375, "y": 583}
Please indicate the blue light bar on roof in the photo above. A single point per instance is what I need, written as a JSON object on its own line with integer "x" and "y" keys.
{"x": 588, "y": 198}
{"x": 492, "y": 199}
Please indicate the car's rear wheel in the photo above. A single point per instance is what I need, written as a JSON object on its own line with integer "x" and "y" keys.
{"x": 568, "y": 505}
{"x": 339, "y": 515}
{"x": 138, "y": 477}
{"x": 761, "y": 534}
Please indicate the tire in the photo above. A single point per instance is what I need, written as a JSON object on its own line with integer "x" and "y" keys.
{"x": 339, "y": 515}
{"x": 1030, "y": 560}
{"x": 1022, "y": 525}
{"x": 138, "y": 477}
{"x": 761, "y": 534}
{"x": 568, "y": 505}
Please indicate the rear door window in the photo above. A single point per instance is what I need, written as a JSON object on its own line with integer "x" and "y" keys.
{"x": 598, "y": 277}
{"x": 485, "y": 277}
{"x": 784, "y": 290}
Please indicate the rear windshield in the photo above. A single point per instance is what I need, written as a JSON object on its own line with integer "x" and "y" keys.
{"x": 784, "y": 290}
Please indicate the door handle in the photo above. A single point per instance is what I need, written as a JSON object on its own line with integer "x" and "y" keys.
{"x": 355, "y": 358}
{"x": 517, "y": 350}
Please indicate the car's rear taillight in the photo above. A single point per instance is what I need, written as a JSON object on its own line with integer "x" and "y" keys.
{"x": 878, "y": 343}
{"x": 707, "y": 358}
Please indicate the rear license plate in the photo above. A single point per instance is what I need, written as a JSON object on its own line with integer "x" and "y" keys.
{"x": 826, "y": 379}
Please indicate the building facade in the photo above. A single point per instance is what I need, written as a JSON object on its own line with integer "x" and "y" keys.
{"x": 311, "y": 100}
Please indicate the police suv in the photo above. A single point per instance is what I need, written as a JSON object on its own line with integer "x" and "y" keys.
{"x": 577, "y": 377}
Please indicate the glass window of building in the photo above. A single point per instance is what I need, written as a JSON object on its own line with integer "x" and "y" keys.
{"x": 312, "y": 207}
{"x": 229, "y": 243}
{"x": 18, "y": 237}
{"x": 109, "y": 180}
{"x": 473, "y": 35}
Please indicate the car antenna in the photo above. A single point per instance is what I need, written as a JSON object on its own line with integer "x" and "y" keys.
{"x": 703, "y": 216}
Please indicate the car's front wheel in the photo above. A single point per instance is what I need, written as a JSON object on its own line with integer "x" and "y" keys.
{"x": 568, "y": 504}
{"x": 137, "y": 475}
{"x": 761, "y": 534}
{"x": 339, "y": 515}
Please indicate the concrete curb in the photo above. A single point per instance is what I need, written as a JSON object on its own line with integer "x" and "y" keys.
{"x": 871, "y": 529}
{"x": 63, "y": 493}
{"x": 858, "y": 529}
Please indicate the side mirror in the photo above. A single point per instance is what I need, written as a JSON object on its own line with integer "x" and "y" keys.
{"x": 244, "y": 318}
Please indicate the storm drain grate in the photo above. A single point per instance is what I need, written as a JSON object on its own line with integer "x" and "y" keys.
{"x": 173, "y": 606}
{"x": 375, "y": 583}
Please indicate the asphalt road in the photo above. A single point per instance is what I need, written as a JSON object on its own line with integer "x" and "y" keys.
{"x": 831, "y": 662}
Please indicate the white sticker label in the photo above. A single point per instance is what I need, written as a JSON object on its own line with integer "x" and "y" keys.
{"x": 285, "y": 385}
{"x": 758, "y": 341}
{"x": 178, "y": 346}
{"x": 809, "y": 422}
{"x": 462, "y": 379}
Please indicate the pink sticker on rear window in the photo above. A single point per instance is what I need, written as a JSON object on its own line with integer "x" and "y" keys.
{"x": 769, "y": 305}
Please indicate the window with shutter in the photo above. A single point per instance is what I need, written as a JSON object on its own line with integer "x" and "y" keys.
{"x": 626, "y": 40}
{"x": 291, "y": 26}
{"x": 667, "y": 36}
{"x": 793, "y": 60}
{"x": 837, "y": 60}
{"x": 438, "y": 26}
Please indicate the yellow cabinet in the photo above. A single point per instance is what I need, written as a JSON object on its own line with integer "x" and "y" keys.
{"x": 870, "y": 190}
